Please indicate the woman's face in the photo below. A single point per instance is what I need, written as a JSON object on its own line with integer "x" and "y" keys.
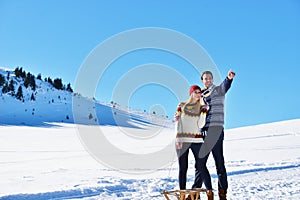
{"x": 196, "y": 95}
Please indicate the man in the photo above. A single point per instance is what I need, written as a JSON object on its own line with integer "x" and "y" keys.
{"x": 214, "y": 127}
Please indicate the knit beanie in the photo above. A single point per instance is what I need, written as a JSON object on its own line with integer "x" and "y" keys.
{"x": 193, "y": 88}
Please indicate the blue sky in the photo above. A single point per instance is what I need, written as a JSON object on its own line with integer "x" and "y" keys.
{"x": 257, "y": 39}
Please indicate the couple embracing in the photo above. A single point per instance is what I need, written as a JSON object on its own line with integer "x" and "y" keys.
{"x": 200, "y": 127}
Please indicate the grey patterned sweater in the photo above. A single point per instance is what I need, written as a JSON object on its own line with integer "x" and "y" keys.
{"x": 215, "y": 115}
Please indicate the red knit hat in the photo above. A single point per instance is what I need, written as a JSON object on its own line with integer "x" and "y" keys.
{"x": 193, "y": 88}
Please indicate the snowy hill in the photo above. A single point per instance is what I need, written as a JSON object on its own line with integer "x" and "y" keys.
{"x": 52, "y": 105}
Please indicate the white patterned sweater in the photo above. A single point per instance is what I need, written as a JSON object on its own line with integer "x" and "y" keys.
{"x": 189, "y": 123}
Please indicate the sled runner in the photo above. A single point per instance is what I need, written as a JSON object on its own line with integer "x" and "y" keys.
{"x": 183, "y": 194}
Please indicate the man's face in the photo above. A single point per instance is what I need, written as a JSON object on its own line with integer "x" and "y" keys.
{"x": 207, "y": 80}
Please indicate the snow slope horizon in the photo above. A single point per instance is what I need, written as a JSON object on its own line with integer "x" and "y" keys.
{"x": 59, "y": 106}
{"x": 53, "y": 106}
{"x": 262, "y": 162}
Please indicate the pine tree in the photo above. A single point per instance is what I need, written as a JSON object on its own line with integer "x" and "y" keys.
{"x": 32, "y": 82}
{"x": 11, "y": 87}
{"x": 69, "y": 88}
{"x": 17, "y": 72}
{"x": 49, "y": 80}
{"x": 23, "y": 73}
{"x": 57, "y": 83}
{"x": 19, "y": 94}
{"x": 5, "y": 88}
{"x": 39, "y": 76}
{"x": 32, "y": 98}
{"x": 26, "y": 82}
{"x": 2, "y": 80}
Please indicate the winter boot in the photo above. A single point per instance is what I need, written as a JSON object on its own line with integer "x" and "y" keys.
{"x": 210, "y": 195}
{"x": 222, "y": 194}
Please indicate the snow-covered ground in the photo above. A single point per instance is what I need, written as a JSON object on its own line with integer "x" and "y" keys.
{"x": 50, "y": 162}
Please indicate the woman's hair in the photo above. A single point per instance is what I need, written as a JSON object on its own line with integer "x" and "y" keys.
{"x": 190, "y": 100}
{"x": 206, "y": 72}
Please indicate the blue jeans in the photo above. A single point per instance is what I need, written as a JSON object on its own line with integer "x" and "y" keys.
{"x": 201, "y": 171}
{"x": 213, "y": 142}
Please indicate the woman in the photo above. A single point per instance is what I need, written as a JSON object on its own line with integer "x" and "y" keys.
{"x": 188, "y": 136}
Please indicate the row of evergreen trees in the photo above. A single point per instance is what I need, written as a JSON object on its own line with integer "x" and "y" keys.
{"x": 28, "y": 79}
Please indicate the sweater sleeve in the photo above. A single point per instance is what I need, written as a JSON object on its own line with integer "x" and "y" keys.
{"x": 179, "y": 108}
{"x": 225, "y": 85}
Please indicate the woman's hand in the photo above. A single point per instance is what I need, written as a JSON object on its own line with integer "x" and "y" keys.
{"x": 176, "y": 117}
{"x": 205, "y": 108}
{"x": 178, "y": 145}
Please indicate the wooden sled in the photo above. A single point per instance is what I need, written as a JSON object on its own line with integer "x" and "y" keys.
{"x": 183, "y": 194}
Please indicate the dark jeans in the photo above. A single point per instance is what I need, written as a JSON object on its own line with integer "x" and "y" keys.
{"x": 201, "y": 171}
{"x": 213, "y": 142}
